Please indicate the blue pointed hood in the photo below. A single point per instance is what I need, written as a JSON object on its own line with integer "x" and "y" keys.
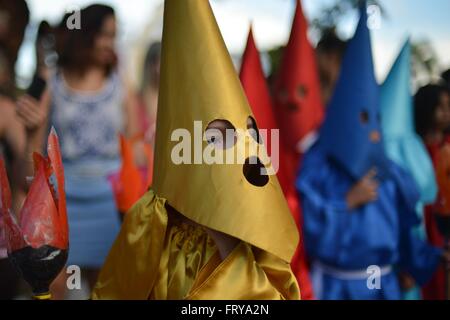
{"x": 402, "y": 144}
{"x": 353, "y": 113}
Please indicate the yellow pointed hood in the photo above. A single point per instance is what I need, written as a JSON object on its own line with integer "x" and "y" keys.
{"x": 199, "y": 83}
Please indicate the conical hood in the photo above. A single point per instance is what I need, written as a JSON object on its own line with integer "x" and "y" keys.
{"x": 198, "y": 87}
{"x": 255, "y": 85}
{"x": 402, "y": 144}
{"x": 351, "y": 133}
{"x": 298, "y": 102}
{"x": 396, "y": 98}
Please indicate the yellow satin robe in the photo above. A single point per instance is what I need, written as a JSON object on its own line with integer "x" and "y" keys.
{"x": 154, "y": 258}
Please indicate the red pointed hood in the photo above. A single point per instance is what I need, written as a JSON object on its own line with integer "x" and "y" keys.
{"x": 43, "y": 218}
{"x": 255, "y": 85}
{"x": 298, "y": 102}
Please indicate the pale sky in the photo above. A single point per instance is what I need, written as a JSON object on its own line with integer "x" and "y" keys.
{"x": 271, "y": 21}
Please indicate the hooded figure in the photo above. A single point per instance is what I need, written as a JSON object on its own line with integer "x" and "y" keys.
{"x": 257, "y": 91}
{"x": 297, "y": 99}
{"x": 351, "y": 132}
{"x": 402, "y": 144}
{"x": 359, "y": 208}
{"x": 169, "y": 246}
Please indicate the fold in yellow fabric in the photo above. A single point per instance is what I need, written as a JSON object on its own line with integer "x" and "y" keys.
{"x": 158, "y": 257}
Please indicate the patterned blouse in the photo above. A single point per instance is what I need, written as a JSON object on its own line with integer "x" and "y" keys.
{"x": 87, "y": 123}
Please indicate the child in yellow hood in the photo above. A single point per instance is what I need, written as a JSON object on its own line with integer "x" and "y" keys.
{"x": 203, "y": 231}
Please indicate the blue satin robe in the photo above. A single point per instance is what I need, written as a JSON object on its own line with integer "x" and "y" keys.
{"x": 379, "y": 233}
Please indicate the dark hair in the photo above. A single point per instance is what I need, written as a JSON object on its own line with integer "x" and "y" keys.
{"x": 153, "y": 54}
{"x": 43, "y": 29}
{"x": 19, "y": 17}
{"x": 330, "y": 42}
{"x": 152, "y": 57}
{"x": 74, "y": 47}
{"x": 426, "y": 101}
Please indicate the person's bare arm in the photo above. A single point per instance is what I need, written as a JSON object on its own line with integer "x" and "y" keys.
{"x": 33, "y": 115}
{"x": 11, "y": 129}
{"x": 131, "y": 111}
{"x": 132, "y": 125}
{"x": 13, "y": 134}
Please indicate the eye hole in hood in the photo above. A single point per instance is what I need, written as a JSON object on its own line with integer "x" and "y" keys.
{"x": 221, "y": 133}
{"x": 253, "y": 129}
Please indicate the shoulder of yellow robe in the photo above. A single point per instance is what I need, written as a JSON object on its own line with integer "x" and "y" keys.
{"x": 132, "y": 265}
{"x": 248, "y": 273}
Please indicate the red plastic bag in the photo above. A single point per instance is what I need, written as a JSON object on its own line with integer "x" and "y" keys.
{"x": 131, "y": 182}
{"x": 43, "y": 218}
{"x": 37, "y": 243}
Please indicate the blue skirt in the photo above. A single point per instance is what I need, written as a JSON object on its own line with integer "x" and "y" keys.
{"x": 94, "y": 221}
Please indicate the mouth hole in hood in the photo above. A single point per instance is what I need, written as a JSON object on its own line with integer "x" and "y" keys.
{"x": 255, "y": 172}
